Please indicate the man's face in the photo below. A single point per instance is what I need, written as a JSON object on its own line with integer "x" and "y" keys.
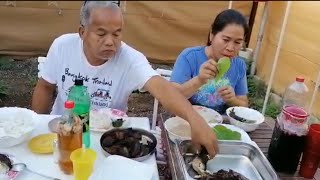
{"x": 103, "y": 33}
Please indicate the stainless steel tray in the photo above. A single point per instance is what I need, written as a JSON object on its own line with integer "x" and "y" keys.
{"x": 239, "y": 156}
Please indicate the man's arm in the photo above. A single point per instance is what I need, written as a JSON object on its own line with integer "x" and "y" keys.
{"x": 177, "y": 104}
{"x": 42, "y": 97}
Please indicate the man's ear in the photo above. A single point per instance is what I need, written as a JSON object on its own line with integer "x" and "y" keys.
{"x": 81, "y": 31}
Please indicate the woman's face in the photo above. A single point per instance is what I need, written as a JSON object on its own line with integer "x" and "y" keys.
{"x": 227, "y": 42}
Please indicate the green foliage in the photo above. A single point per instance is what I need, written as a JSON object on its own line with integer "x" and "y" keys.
{"x": 5, "y": 63}
{"x": 3, "y": 89}
{"x": 257, "y": 91}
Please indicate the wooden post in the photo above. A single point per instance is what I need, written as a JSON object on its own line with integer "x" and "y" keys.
{"x": 314, "y": 94}
{"x": 259, "y": 40}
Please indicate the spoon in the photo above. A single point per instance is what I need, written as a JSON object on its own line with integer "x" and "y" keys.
{"x": 21, "y": 166}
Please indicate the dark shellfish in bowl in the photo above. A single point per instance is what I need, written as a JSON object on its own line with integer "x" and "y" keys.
{"x": 133, "y": 143}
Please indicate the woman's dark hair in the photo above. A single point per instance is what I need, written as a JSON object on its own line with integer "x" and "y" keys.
{"x": 226, "y": 17}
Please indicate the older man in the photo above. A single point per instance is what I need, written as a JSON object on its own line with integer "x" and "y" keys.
{"x": 106, "y": 64}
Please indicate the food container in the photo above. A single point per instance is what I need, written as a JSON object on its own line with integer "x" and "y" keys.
{"x": 146, "y": 138}
{"x": 241, "y": 157}
{"x": 247, "y": 113}
{"x": 16, "y": 125}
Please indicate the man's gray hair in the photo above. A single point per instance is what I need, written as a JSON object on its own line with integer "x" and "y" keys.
{"x": 89, "y": 5}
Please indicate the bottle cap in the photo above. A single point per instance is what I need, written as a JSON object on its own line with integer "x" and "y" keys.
{"x": 69, "y": 104}
{"x": 78, "y": 82}
{"x": 300, "y": 79}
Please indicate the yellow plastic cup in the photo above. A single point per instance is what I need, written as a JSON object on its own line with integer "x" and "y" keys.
{"x": 83, "y": 163}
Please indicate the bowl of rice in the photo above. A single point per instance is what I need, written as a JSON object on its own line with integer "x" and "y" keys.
{"x": 16, "y": 125}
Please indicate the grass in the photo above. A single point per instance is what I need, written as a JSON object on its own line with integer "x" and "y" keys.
{"x": 3, "y": 89}
{"x": 5, "y": 63}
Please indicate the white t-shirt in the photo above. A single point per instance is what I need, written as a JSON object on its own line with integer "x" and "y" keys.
{"x": 109, "y": 84}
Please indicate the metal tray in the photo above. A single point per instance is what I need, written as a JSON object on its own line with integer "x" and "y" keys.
{"x": 241, "y": 157}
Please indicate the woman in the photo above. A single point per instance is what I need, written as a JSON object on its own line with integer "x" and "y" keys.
{"x": 195, "y": 66}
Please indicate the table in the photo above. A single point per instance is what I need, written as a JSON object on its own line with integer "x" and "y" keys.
{"x": 261, "y": 136}
{"x": 44, "y": 163}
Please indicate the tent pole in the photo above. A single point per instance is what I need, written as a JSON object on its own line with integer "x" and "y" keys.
{"x": 230, "y": 5}
{"x": 260, "y": 37}
{"x": 275, "y": 62}
{"x": 314, "y": 94}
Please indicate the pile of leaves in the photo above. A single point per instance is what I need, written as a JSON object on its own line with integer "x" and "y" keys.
{"x": 224, "y": 133}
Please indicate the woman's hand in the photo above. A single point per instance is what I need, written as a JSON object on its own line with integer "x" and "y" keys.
{"x": 208, "y": 70}
{"x": 227, "y": 94}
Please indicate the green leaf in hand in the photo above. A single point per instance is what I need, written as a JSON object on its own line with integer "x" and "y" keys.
{"x": 223, "y": 66}
{"x": 224, "y": 133}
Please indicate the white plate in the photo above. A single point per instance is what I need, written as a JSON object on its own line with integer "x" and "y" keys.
{"x": 210, "y": 115}
{"x": 125, "y": 124}
{"x": 122, "y": 168}
{"x": 101, "y": 119}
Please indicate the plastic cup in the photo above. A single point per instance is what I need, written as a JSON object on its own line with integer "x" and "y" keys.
{"x": 309, "y": 164}
{"x": 313, "y": 138}
{"x": 83, "y": 163}
{"x": 311, "y": 155}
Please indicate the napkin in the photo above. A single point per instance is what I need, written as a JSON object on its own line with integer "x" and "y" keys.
{"x": 122, "y": 168}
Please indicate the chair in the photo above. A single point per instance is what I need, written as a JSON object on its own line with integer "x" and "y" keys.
{"x": 41, "y": 61}
{"x": 166, "y": 74}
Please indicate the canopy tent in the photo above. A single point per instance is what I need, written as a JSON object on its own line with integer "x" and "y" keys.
{"x": 279, "y": 45}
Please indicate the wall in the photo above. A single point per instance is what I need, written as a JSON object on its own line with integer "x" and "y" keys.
{"x": 160, "y": 29}
{"x": 300, "y": 53}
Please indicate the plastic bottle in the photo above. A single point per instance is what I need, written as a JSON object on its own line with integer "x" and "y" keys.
{"x": 69, "y": 137}
{"x": 288, "y": 138}
{"x": 79, "y": 94}
{"x": 297, "y": 94}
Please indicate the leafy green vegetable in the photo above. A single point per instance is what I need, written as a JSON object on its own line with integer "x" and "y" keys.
{"x": 223, "y": 66}
{"x": 224, "y": 133}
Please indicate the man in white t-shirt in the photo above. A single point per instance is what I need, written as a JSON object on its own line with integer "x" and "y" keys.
{"x": 111, "y": 70}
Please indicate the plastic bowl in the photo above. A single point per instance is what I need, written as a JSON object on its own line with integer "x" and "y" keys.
{"x": 246, "y": 113}
{"x": 27, "y": 115}
{"x": 172, "y": 122}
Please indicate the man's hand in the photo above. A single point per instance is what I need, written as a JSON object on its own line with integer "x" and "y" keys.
{"x": 203, "y": 135}
{"x": 227, "y": 94}
{"x": 208, "y": 70}
{"x": 176, "y": 103}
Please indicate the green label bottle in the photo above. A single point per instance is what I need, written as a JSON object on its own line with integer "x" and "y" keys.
{"x": 79, "y": 94}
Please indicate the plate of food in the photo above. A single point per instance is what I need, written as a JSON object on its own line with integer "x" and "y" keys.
{"x": 245, "y": 118}
{"x": 179, "y": 129}
{"x": 102, "y": 120}
{"x": 6, "y": 163}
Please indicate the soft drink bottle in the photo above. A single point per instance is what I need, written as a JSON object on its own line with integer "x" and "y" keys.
{"x": 79, "y": 94}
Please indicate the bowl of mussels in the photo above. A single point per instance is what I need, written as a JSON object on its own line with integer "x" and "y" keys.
{"x": 134, "y": 143}
{"x": 245, "y": 118}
